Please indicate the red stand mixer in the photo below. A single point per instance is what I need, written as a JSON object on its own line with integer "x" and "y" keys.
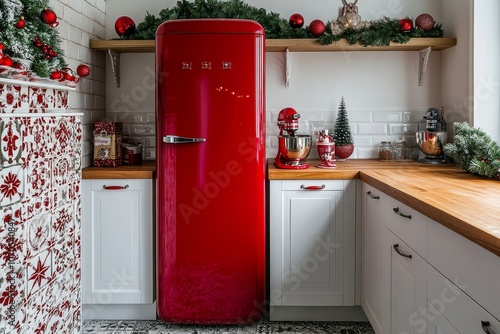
{"x": 293, "y": 149}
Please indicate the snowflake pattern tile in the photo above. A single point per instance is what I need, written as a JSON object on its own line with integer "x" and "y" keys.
{"x": 40, "y": 180}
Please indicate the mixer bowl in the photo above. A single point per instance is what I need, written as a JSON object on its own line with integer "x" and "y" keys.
{"x": 294, "y": 149}
{"x": 431, "y": 143}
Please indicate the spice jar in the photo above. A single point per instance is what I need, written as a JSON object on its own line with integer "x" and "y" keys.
{"x": 400, "y": 150}
{"x": 385, "y": 151}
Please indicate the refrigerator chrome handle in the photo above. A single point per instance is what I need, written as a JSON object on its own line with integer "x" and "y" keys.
{"x": 169, "y": 139}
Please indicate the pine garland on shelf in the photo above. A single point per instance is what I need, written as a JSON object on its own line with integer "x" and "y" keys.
{"x": 342, "y": 133}
{"x": 19, "y": 41}
{"x": 474, "y": 151}
{"x": 380, "y": 32}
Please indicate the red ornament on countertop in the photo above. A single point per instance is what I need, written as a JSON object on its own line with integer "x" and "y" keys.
{"x": 83, "y": 70}
{"x": 405, "y": 25}
{"x": 296, "y": 21}
{"x": 124, "y": 26}
{"x": 21, "y": 23}
{"x": 425, "y": 22}
{"x": 317, "y": 28}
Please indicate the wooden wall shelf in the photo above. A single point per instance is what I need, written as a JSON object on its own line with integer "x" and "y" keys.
{"x": 281, "y": 45}
{"x": 115, "y": 47}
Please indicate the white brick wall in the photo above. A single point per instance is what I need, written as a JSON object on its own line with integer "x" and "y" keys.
{"x": 80, "y": 21}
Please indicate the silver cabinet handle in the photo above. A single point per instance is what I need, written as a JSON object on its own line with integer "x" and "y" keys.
{"x": 369, "y": 193}
{"x": 169, "y": 139}
{"x": 396, "y": 248}
{"x": 486, "y": 325}
{"x": 399, "y": 213}
{"x": 312, "y": 187}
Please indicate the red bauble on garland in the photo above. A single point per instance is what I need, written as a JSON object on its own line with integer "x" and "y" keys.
{"x": 7, "y": 61}
{"x": 48, "y": 16}
{"x": 425, "y": 22}
{"x": 405, "y": 25}
{"x": 124, "y": 26}
{"x": 296, "y": 21}
{"x": 21, "y": 23}
{"x": 83, "y": 70}
{"x": 317, "y": 28}
{"x": 56, "y": 75}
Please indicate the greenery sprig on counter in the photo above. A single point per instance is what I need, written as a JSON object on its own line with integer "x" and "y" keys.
{"x": 381, "y": 32}
{"x": 474, "y": 151}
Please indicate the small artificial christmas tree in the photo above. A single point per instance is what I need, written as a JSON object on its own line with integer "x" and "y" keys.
{"x": 344, "y": 144}
{"x": 27, "y": 31}
{"x": 342, "y": 134}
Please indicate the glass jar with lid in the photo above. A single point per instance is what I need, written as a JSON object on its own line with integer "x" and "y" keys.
{"x": 400, "y": 150}
{"x": 385, "y": 151}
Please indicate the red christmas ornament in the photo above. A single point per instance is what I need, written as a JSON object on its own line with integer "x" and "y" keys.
{"x": 21, "y": 23}
{"x": 56, "y": 75}
{"x": 405, "y": 25}
{"x": 317, "y": 28}
{"x": 425, "y": 22}
{"x": 296, "y": 21}
{"x": 7, "y": 61}
{"x": 83, "y": 70}
{"x": 2, "y": 46}
{"x": 48, "y": 16}
{"x": 124, "y": 26}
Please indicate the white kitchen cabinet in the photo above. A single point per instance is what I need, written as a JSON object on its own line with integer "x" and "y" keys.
{"x": 372, "y": 231}
{"x": 312, "y": 244}
{"x": 117, "y": 246}
{"x": 452, "y": 311}
{"x": 405, "y": 286}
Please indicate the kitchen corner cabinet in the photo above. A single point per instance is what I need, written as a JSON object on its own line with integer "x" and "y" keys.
{"x": 431, "y": 280}
{"x": 117, "y": 246}
{"x": 312, "y": 245}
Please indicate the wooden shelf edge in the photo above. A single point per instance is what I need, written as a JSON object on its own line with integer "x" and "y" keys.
{"x": 293, "y": 45}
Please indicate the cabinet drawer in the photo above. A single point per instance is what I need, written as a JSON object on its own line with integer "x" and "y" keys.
{"x": 462, "y": 312}
{"x": 408, "y": 224}
{"x": 308, "y": 185}
{"x": 473, "y": 267}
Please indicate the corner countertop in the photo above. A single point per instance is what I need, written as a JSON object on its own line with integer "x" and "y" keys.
{"x": 465, "y": 203}
{"x": 144, "y": 171}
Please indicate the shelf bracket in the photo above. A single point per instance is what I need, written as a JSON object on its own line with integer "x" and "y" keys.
{"x": 114, "y": 56}
{"x": 287, "y": 68}
{"x": 423, "y": 57}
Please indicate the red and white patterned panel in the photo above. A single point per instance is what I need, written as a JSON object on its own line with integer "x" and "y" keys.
{"x": 17, "y": 99}
{"x": 40, "y": 180}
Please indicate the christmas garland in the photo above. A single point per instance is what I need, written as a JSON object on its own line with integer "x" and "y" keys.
{"x": 474, "y": 151}
{"x": 380, "y": 32}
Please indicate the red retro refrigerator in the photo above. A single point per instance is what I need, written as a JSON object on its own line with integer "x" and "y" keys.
{"x": 210, "y": 171}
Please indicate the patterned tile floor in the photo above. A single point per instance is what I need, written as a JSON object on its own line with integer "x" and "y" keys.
{"x": 264, "y": 327}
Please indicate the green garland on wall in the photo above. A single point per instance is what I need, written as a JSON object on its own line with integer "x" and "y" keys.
{"x": 381, "y": 32}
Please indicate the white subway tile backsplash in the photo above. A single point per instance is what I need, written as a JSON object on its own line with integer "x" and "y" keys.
{"x": 149, "y": 141}
{"x": 150, "y": 118}
{"x": 148, "y": 153}
{"x": 360, "y": 117}
{"x": 385, "y": 117}
{"x": 371, "y": 128}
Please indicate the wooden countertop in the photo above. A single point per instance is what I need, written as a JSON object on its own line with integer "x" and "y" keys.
{"x": 144, "y": 171}
{"x": 465, "y": 203}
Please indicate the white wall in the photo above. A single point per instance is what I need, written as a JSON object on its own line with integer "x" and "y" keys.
{"x": 487, "y": 68}
{"x": 80, "y": 21}
{"x": 380, "y": 88}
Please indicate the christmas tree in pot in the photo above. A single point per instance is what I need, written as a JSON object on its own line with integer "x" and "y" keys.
{"x": 344, "y": 144}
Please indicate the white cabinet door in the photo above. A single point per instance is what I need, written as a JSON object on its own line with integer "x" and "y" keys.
{"x": 440, "y": 326}
{"x": 312, "y": 243}
{"x": 117, "y": 241}
{"x": 405, "y": 288}
{"x": 372, "y": 231}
